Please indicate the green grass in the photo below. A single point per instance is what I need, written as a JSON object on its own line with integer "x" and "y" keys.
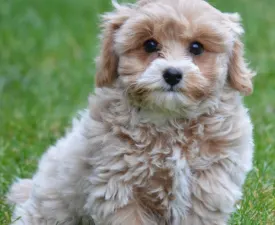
{"x": 46, "y": 73}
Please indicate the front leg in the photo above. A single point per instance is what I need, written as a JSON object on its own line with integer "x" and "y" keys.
{"x": 215, "y": 191}
{"x": 219, "y": 168}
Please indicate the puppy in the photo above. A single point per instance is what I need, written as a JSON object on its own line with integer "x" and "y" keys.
{"x": 166, "y": 139}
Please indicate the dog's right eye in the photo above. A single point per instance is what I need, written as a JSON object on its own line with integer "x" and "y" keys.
{"x": 151, "y": 46}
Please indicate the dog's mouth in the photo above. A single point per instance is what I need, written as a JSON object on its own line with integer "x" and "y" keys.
{"x": 171, "y": 89}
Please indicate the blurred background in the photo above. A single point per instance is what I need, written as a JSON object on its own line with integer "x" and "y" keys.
{"x": 47, "y": 50}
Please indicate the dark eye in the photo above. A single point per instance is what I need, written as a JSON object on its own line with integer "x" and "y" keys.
{"x": 196, "y": 48}
{"x": 151, "y": 46}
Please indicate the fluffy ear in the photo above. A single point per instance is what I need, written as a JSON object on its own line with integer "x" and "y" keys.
{"x": 240, "y": 76}
{"x": 107, "y": 61}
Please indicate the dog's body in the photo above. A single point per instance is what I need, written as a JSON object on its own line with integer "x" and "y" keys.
{"x": 149, "y": 158}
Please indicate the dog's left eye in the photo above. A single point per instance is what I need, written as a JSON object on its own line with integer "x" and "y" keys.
{"x": 196, "y": 48}
{"x": 151, "y": 46}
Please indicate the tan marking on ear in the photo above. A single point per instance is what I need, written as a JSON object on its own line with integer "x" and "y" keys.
{"x": 108, "y": 60}
{"x": 240, "y": 76}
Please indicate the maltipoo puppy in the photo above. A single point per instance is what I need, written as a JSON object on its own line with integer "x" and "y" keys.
{"x": 166, "y": 139}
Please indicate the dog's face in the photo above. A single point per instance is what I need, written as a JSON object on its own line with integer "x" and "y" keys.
{"x": 173, "y": 55}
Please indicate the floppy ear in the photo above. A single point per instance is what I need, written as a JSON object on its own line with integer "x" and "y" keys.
{"x": 107, "y": 61}
{"x": 240, "y": 75}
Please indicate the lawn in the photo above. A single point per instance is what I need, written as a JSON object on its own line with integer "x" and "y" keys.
{"x": 46, "y": 73}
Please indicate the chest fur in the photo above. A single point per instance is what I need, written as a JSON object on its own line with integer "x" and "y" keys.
{"x": 163, "y": 167}
{"x": 157, "y": 165}
{"x": 166, "y": 166}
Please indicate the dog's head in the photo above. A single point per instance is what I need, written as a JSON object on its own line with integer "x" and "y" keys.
{"x": 173, "y": 55}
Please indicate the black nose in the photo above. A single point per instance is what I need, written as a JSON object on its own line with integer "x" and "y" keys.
{"x": 172, "y": 76}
